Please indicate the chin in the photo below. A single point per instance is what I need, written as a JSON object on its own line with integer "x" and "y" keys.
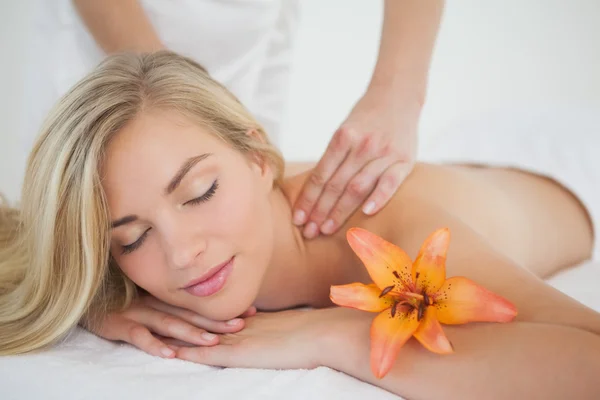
{"x": 226, "y": 305}
{"x": 224, "y": 310}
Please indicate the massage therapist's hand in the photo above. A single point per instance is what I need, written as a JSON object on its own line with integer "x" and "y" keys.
{"x": 366, "y": 161}
{"x": 147, "y": 317}
{"x": 290, "y": 339}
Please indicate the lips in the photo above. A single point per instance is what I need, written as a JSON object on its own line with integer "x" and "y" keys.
{"x": 212, "y": 281}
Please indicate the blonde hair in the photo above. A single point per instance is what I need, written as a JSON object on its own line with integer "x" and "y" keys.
{"x": 55, "y": 268}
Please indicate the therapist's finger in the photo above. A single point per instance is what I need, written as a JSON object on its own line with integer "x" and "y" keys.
{"x": 357, "y": 190}
{"x": 335, "y": 189}
{"x": 334, "y": 156}
{"x": 387, "y": 184}
{"x": 363, "y": 152}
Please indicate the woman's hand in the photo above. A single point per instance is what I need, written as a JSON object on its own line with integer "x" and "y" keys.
{"x": 148, "y": 323}
{"x": 290, "y": 339}
{"x": 370, "y": 155}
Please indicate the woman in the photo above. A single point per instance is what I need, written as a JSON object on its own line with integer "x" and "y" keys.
{"x": 151, "y": 177}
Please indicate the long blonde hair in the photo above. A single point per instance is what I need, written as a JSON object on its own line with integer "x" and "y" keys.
{"x": 55, "y": 267}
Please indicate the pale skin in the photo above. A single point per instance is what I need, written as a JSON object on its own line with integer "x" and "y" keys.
{"x": 374, "y": 148}
{"x": 509, "y": 229}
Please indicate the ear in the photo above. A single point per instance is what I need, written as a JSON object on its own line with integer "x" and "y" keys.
{"x": 259, "y": 163}
{"x": 253, "y": 133}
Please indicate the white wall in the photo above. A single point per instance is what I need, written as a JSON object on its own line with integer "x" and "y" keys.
{"x": 14, "y": 25}
{"x": 490, "y": 54}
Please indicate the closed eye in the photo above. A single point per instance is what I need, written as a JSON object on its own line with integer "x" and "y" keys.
{"x": 135, "y": 245}
{"x": 206, "y": 196}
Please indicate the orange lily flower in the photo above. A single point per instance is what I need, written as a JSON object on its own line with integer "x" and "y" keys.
{"x": 413, "y": 298}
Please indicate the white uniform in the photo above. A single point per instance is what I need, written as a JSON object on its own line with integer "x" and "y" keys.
{"x": 244, "y": 44}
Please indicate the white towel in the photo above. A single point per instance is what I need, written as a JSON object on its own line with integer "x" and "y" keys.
{"x": 88, "y": 367}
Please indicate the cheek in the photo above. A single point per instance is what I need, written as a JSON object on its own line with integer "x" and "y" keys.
{"x": 142, "y": 268}
{"x": 244, "y": 213}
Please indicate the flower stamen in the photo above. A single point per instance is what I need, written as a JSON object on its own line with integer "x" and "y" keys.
{"x": 409, "y": 295}
{"x": 394, "y": 309}
{"x": 386, "y": 291}
{"x": 426, "y": 299}
{"x": 420, "y": 311}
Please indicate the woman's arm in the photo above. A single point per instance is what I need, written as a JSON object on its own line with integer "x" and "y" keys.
{"x": 118, "y": 25}
{"x": 551, "y": 351}
{"x": 520, "y": 360}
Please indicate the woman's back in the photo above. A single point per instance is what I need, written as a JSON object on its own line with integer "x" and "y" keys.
{"x": 528, "y": 218}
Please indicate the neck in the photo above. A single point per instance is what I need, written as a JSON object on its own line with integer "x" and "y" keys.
{"x": 287, "y": 282}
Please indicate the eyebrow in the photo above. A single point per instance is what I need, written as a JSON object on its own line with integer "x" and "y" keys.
{"x": 170, "y": 188}
{"x": 183, "y": 170}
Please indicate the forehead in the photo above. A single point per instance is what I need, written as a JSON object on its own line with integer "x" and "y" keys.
{"x": 158, "y": 131}
{"x": 154, "y": 138}
{"x": 152, "y": 147}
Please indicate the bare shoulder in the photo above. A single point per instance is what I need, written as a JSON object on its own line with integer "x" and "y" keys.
{"x": 423, "y": 183}
{"x": 296, "y": 168}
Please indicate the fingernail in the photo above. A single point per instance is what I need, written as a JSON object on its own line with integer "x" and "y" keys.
{"x": 234, "y": 321}
{"x": 311, "y": 230}
{"x": 369, "y": 207}
{"x": 208, "y": 336}
{"x": 327, "y": 227}
{"x": 167, "y": 352}
{"x": 299, "y": 217}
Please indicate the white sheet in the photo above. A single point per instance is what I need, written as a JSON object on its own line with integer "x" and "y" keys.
{"x": 87, "y": 367}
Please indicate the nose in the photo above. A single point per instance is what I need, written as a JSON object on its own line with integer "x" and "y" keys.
{"x": 183, "y": 246}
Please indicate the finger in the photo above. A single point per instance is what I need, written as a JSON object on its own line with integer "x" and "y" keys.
{"x": 332, "y": 193}
{"x": 176, "y": 344}
{"x": 171, "y": 326}
{"x": 141, "y": 337}
{"x": 360, "y": 186}
{"x": 334, "y": 156}
{"x": 173, "y": 347}
{"x": 231, "y": 326}
{"x": 173, "y": 344}
{"x": 358, "y": 158}
{"x": 387, "y": 185}
{"x": 218, "y": 356}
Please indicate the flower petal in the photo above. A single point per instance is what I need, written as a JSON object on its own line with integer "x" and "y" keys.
{"x": 362, "y": 297}
{"x": 461, "y": 300}
{"x": 386, "y": 263}
{"x": 431, "y": 335}
{"x": 429, "y": 269}
{"x": 388, "y": 335}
